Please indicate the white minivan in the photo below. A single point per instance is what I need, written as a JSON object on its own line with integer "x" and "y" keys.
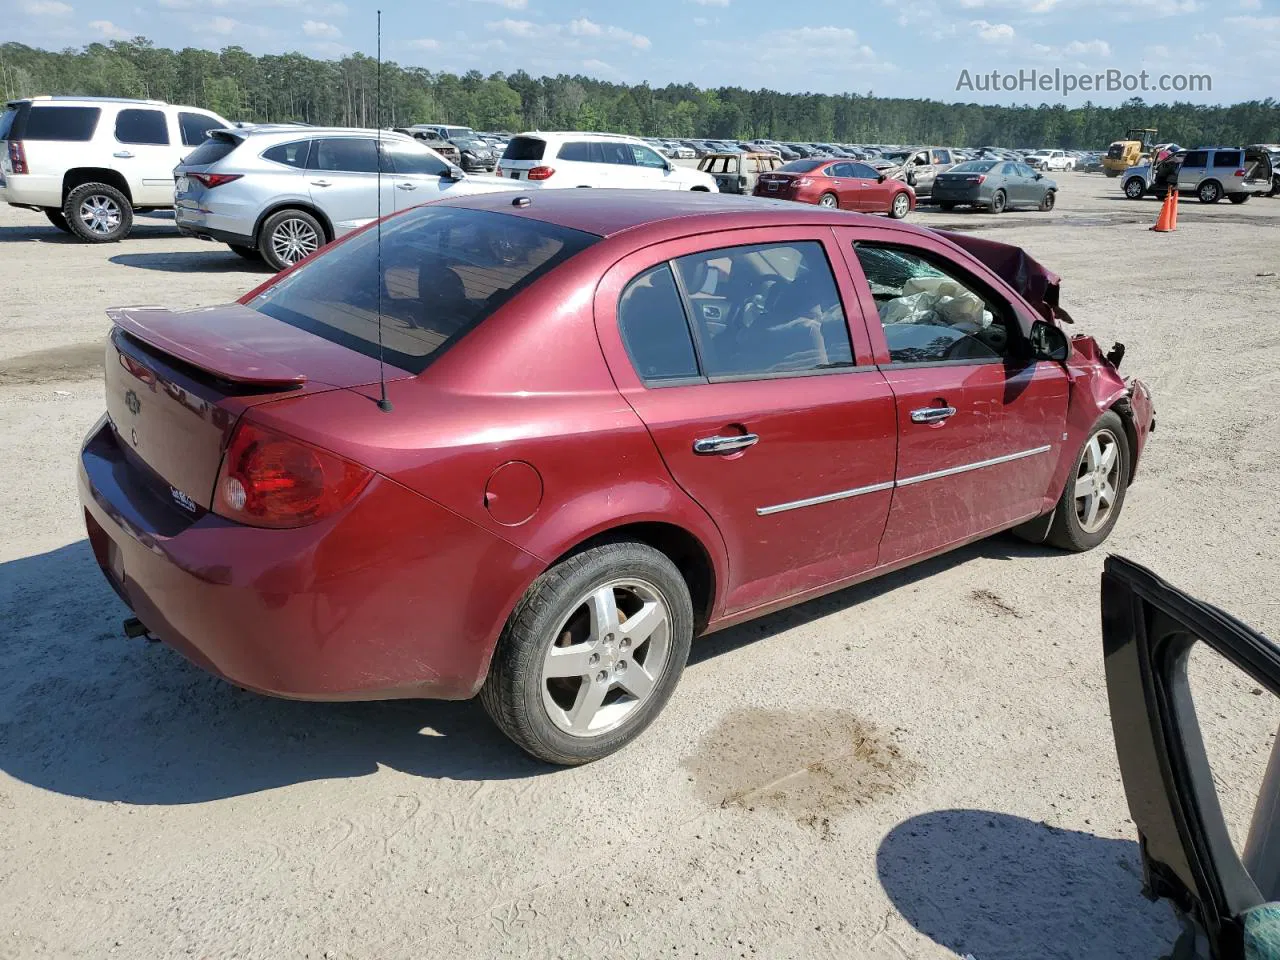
{"x": 596, "y": 160}
{"x": 90, "y": 162}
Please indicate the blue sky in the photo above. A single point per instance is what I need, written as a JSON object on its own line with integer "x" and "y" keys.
{"x": 912, "y": 48}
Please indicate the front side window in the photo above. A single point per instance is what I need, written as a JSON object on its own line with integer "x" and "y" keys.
{"x": 651, "y": 319}
{"x": 196, "y": 126}
{"x": 441, "y": 271}
{"x": 409, "y": 160}
{"x": 619, "y": 154}
{"x": 147, "y": 127}
{"x": 930, "y": 315}
{"x": 345, "y": 155}
{"x": 765, "y": 309}
{"x": 644, "y": 157}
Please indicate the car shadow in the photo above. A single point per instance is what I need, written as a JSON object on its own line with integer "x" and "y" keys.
{"x": 86, "y": 713}
{"x": 1002, "y": 547}
{"x": 1000, "y": 887}
{"x": 213, "y": 260}
{"x": 36, "y": 233}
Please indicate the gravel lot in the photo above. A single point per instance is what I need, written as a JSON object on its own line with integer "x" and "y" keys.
{"x": 967, "y": 799}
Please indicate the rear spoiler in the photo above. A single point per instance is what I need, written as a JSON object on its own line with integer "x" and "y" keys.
{"x": 217, "y": 340}
{"x": 1038, "y": 285}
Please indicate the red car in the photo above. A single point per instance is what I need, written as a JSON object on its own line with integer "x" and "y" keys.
{"x": 613, "y": 421}
{"x": 843, "y": 184}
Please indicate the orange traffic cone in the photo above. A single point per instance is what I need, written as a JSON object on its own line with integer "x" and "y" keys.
{"x": 1174, "y": 225}
{"x": 1165, "y": 223}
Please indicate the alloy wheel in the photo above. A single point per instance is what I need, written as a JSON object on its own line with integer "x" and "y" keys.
{"x": 827, "y": 201}
{"x": 293, "y": 239}
{"x": 901, "y": 205}
{"x": 100, "y": 214}
{"x": 1097, "y": 481}
{"x": 607, "y": 657}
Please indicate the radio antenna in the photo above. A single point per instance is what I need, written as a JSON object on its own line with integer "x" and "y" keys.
{"x": 383, "y": 403}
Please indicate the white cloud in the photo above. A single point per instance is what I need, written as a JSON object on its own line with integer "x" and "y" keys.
{"x": 509, "y": 4}
{"x": 818, "y": 36}
{"x": 320, "y": 30}
{"x": 711, "y": 3}
{"x": 992, "y": 32}
{"x": 1087, "y": 48}
{"x": 223, "y": 25}
{"x": 109, "y": 31}
{"x": 700, "y": 21}
{"x": 569, "y": 33}
{"x": 46, "y": 8}
{"x": 425, "y": 43}
{"x": 819, "y": 49}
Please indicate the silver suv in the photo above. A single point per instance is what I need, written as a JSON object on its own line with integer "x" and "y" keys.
{"x": 282, "y": 193}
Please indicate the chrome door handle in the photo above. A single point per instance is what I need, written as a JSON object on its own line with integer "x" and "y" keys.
{"x": 123, "y": 154}
{"x": 321, "y": 183}
{"x": 932, "y": 414}
{"x": 725, "y": 444}
{"x": 406, "y": 186}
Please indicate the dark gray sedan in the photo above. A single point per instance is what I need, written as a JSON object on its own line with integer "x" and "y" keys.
{"x": 994, "y": 185}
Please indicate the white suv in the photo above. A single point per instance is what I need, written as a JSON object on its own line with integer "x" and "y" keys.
{"x": 89, "y": 163}
{"x": 1052, "y": 160}
{"x": 595, "y": 160}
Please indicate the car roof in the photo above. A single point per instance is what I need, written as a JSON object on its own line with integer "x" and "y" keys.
{"x": 68, "y": 99}
{"x": 579, "y": 135}
{"x": 285, "y": 130}
{"x": 608, "y": 213}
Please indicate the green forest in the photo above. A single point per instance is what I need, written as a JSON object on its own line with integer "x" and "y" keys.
{"x": 276, "y": 87}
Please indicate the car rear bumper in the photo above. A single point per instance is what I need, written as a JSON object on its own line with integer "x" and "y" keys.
{"x": 228, "y": 222}
{"x": 943, "y": 194}
{"x": 349, "y": 608}
{"x": 31, "y": 190}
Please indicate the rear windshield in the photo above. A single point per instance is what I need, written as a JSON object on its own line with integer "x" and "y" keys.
{"x": 211, "y": 151}
{"x": 444, "y": 270}
{"x": 802, "y": 166}
{"x": 60, "y": 123}
{"x": 525, "y": 148}
{"x": 973, "y": 166}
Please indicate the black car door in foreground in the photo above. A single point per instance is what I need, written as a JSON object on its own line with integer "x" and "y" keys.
{"x": 1149, "y": 630}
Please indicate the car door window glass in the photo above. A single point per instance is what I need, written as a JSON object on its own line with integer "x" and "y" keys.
{"x": 60, "y": 123}
{"x": 1196, "y": 158}
{"x": 929, "y": 315}
{"x": 147, "y": 127}
{"x": 293, "y": 154}
{"x": 345, "y": 155}
{"x": 195, "y": 127}
{"x": 863, "y": 172}
{"x": 1025, "y": 171}
{"x": 408, "y": 161}
{"x": 765, "y": 309}
{"x": 844, "y": 170}
{"x": 1009, "y": 170}
{"x": 575, "y": 151}
{"x": 619, "y": 154}
{"x": 644, "y": 157}
{"x": 654, "y": 328}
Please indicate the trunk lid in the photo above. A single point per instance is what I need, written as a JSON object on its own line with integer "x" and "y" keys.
{"x": 1039, "y": 285}
{"x": 177, "y": 382}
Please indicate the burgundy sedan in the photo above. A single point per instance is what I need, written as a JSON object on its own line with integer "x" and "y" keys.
{"x": 842, "y": 184}
{"x": 613, "y": 421}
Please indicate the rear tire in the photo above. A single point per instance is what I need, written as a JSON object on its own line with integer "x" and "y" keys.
{"x": 1238, "y": 198}
{"x": 536, "y": 707}
{"x": 829, "y": 201}
{"x": 98, "y": 213}
{"x": 249, "y": 253}
{"x": 288, "y": 236}
{"x": 946, "y": 206}
{"x": 999, "y": 202}
{"x": 1072, "y": 529}
{"x": 57, "y": 219}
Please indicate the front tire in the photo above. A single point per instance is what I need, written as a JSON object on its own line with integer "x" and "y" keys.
{"x": 1135, "y": 188}
{"x": 900, "y": 206}
{"x": 1090, "y": 505}
{"x": 1209, "y": 192}
{"x": 57, "y": 219}
{"x": 288, "y": 236}
{"x": 591, "y": 653}
{"x": 98, "y": 213}
{"x": 1048, "y": 200}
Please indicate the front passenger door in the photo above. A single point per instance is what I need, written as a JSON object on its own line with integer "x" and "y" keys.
{"x": 1152, "y": 635}
{"x": 415, "y": 173}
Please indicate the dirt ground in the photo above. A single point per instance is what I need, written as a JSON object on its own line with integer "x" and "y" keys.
{"x": 918, "y": 767}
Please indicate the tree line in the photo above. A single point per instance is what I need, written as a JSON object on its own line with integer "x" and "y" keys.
{"x": 277, "y": 87}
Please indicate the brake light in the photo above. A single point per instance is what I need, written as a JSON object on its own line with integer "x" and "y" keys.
{"x": 1238, "y": 173}
{"x": 211, "y": 180}
{"x": 980, "y": 178}
{"x": 270, "y": 480}
{"x": 801, "y": 181}
{"x": 540, "y": 173}
{"x": 17, "y": 156}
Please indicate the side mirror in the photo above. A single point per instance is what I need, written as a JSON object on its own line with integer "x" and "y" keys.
{"x": 452, "y": 173}
{"x": 881, "y": 178}
{"x": 1039, "y": 176}
{"x": 1049, "y": 342}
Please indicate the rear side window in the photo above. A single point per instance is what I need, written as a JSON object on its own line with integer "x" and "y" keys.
{"x": 765, "y": 310}
{"x": 346, "y": 155}
{"x": 60, "y": 123}
{"x": 211, "y": 151}
{"x": 441, "y": 272}
{"x": 653, "y": 325}
{"x": 292, "y": 154}
{"x": 1196, "y": 158}
{"x": 146, "y": 127}
{"x": 525, "y": 148}
{"x": 196, "y": 126}
{"x": 1228, "y": 158}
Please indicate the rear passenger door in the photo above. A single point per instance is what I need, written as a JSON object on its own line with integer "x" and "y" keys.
{"x": 144, "y": 154}
{"x": 979, "y": 423}
{"x": 735, "y": 352}
{"x": 344, "y": 182}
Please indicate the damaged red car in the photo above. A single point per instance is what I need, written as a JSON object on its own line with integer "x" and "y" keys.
{"x": 612, "y": 422}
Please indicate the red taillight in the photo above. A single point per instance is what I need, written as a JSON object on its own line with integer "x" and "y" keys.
{"x": 801, "y": 181}
{"x": 270, "y": 480}
{"x": 17, "y": 156}
{"x": 1238, "y": 173}
{"x": 980, "y": 178}
{"x": 211, "y": 180}
{"x": 540, "y": 173}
